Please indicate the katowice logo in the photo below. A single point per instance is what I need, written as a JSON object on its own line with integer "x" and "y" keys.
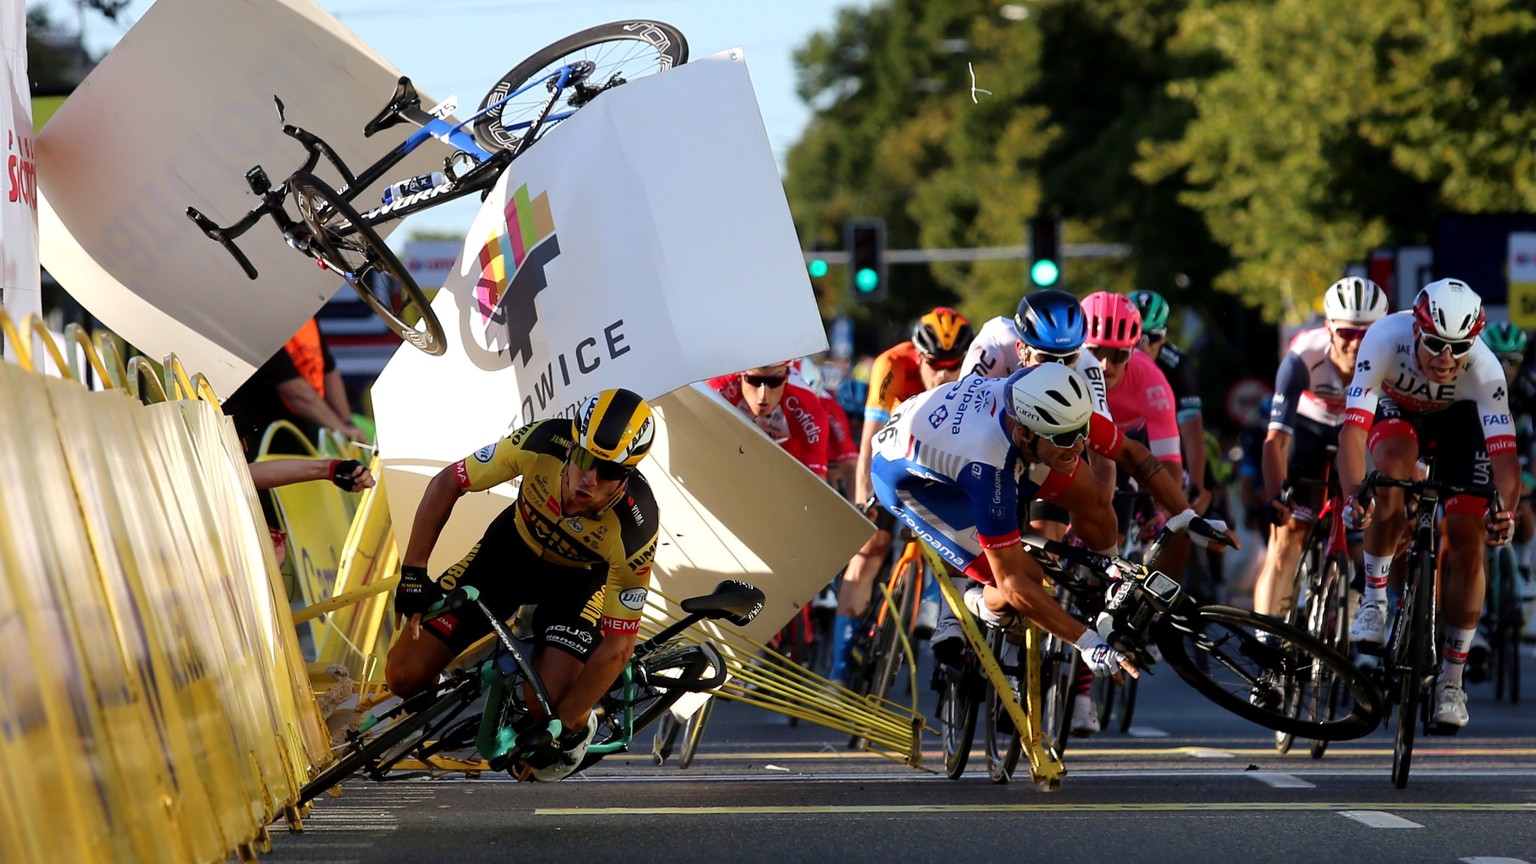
{"x": 512, "y": 263}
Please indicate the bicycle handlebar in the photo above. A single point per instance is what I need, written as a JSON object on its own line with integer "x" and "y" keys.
{"x": 1375, "y": 480}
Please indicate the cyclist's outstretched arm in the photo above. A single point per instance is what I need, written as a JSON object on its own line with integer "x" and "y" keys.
{"x": 1090, "y": 504}
{"x": 431, "y": 515}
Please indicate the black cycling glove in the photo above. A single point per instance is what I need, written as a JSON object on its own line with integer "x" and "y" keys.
{"x": 344, "y": 473}
{"x": 416, "y": 592}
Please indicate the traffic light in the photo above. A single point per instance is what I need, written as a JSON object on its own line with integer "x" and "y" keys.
{"x": 865, "y": 241}
{"x": 1045, "y": 252}
{"x": 817, "y": 267}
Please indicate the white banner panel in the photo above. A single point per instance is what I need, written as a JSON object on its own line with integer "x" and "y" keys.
{"x": 733, "y": 505}
{"x": 643, "y": 243}
{"x": 173, "y": 117}
{"x": 20, "y": 288}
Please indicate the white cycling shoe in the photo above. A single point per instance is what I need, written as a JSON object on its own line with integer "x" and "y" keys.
{"x": 571, "y": 755}
{"x": 1085, "y": 716}
{"x": 1450, "y": 705}
{"x": 1008, "y": 621}
{"x": 1369, "y": 628}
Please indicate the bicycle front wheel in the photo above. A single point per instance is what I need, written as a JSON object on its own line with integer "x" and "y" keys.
{"x": 1327, "y": 621}
{"x": 694, "y": 733}
{"x": 619, "y": 52}
{"x": 668, "y": 673}
{"x": 1219, "y": 652}
{"x": 957, "y": 718}
{"x": 350, "y": 247}
{"x": 1002, "y": 736}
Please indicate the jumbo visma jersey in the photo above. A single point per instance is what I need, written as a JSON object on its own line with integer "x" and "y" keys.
{"x": 621, "y": 539}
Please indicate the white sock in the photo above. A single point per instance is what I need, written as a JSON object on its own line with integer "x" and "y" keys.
{"x": 1377, "y": 567}
{"x": 1455, "y": 654}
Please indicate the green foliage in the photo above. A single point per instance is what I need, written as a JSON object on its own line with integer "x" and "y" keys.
{"x": 1255, "y": 146}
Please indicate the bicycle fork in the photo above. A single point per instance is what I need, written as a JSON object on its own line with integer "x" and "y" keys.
{"x": 1045, "y": 766}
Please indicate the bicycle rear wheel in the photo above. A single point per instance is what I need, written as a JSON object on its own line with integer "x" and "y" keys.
{"x": 693, "y": 733}
{"x": 957, "y": 717}
{"x": 1247, "y": 675}
{"x": 351, "y": 248}
{"x": 1508, "y": 622}
{"x": 1059, "y": 669}
{"x": 620, "y": 51}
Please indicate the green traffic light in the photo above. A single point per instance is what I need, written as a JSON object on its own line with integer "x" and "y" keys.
{"x": 866, "y": 280}
{"x": 1044, "y": 272}
{"x": 818, "y": 268}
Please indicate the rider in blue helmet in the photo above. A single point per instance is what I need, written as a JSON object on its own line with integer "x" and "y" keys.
{"x": 1051, "y": 321}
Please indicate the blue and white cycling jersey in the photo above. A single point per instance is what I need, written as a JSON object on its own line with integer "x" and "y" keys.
{"x": 945, "y": 466}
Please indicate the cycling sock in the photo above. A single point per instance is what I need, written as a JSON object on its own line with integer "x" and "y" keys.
{"x": 842, "y": 646}
{"x": 1376, "y": 569}
{"x": 1457, "y": 642}
{"x": 1084, "y": 682}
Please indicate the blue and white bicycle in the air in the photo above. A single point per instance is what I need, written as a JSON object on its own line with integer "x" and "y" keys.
{"x": 514, "y": 114}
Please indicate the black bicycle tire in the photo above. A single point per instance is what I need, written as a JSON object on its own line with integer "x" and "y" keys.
{"x": 453, "y": 694}
{"x": 1059, "y": 675}
{"x": 1302, "y": 576}
{"x": 488, "y": 130}
{"x": 1508, "y": 627}
{"x": 691, "y": 659}
{"x": 376, "y": 254}
{"x": 1170, "y": 631}
{"x": 891, "y": 656}
{"x": 960, "y": 690}
{"x": 1327, "y": 622}
{"x": 693, "y": 733}
{"x": 1406, "y": 661}
{"x": 1128, "y": 691}
{"x": 1003, "y": 742}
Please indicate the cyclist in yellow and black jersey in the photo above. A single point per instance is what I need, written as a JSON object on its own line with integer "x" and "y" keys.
{"x": 578, "y": 542}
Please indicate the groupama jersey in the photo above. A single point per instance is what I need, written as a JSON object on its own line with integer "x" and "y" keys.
{"x": 1388, "y": 367}
{"x": 621, "y": 539}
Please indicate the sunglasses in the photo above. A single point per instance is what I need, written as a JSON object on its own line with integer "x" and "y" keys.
{"x": 1069, "y": 438}
{"x": 1435, "y": 345}
{"x": 1067, "y": 359}
{"x": 770, "y": 381}
{"x": 586, "y": 461}
{"x": 942, "y": 365}
{"x": 1107, "y": 354}
{"x": 1349, "y": 334}
{"x": 1155, "y": 335}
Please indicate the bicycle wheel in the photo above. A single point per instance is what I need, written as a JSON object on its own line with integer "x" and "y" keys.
{"x": 1059, "y": 668}
{"x": 890, "y": 657}
{"x": 1328, "y": 622}
{"x": 694, "y": 732}
{"x": 1126, "y": 701}
{"x": 1002, "y": 736}
{"x": 668, "y": 673}
{"x": 957, "y": 717}
{"x": 350, "y": 247}
{"x": 1508, "y": 622}
{"x": 400, "y": 731}
{"x": 1246, "y": 674}
{"x": 1409, "y": 661}
{"x": 620, "y": 51}
{"x": 1308, "y": 572}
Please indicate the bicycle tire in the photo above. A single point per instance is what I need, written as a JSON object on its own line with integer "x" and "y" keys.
{"x": 697, "y": 671}
{"x": 1409, "y": 663}
{"x": 1002, "y": 738}
{"x": 338, "y": 231}
{"x": 693, "y": 733}
{"x": 1059, "y": 668}
{"x": 957, "y": 718}
{"x": 1327, "y": 621}
{"x": 890, "y": 655}
{"x": 665, "y": 41}
{"x": 1302, "y": 578}
{"x": 1226, "y": 637}
{"x": 1127, "y": 701}
{"x": 1508, "y": 624}
{"x": 383, "y": 746}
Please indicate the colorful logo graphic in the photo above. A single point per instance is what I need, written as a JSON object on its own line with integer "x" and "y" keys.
{"x": 512, "y": 266}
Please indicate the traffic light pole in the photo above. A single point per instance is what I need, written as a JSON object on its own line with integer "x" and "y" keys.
{"x": 982, "y": 253}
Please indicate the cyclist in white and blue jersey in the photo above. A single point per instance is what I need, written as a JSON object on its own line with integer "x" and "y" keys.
{"x": 957, "y": 463}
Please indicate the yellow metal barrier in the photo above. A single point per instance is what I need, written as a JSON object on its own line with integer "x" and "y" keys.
{"x": 153, "y": 701}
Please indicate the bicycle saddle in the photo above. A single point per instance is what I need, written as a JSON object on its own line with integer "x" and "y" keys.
{"x": 736, "y": 601}
{"x": 394, "y": 113}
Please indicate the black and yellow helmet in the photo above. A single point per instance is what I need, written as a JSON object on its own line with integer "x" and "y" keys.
{"x": 615, "y": 426}
{"x": 943, "y": 334}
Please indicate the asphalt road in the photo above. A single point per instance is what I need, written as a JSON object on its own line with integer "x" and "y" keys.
{"x": 1190, "y": 783}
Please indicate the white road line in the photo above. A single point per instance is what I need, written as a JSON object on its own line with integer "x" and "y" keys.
{"x": 1207, "y": 753}
{"x": 1281, "y": 781}
{"x": 1482, "y": 859}
{"x": 1146, "y": 732}
{"x": 1378, "y": 819}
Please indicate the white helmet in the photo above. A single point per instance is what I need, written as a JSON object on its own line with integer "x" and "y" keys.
{"x": 1449, "y": 309}
{"x": 1049, "y": 398}
{"x": 1356, "y": 300}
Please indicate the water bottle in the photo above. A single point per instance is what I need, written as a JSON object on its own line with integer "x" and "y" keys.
{"x": 395, "y": 191}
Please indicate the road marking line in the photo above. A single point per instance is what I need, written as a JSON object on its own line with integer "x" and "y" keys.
{"x": 1281, "y": 781}
{"x": 1207, "y": 753}
{"x": 1359, "y": 809}
{"x": 1145, "y": 732}
{"x": 1482, "y": 859}
{"x": 1378, "y": 819}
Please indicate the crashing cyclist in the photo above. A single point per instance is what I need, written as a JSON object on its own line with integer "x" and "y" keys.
{"x": 930, "y": 358}
{"x": 1305, "y": 416}
{"x": 578, "y": 542}
{"x": 1426, "y": 386}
